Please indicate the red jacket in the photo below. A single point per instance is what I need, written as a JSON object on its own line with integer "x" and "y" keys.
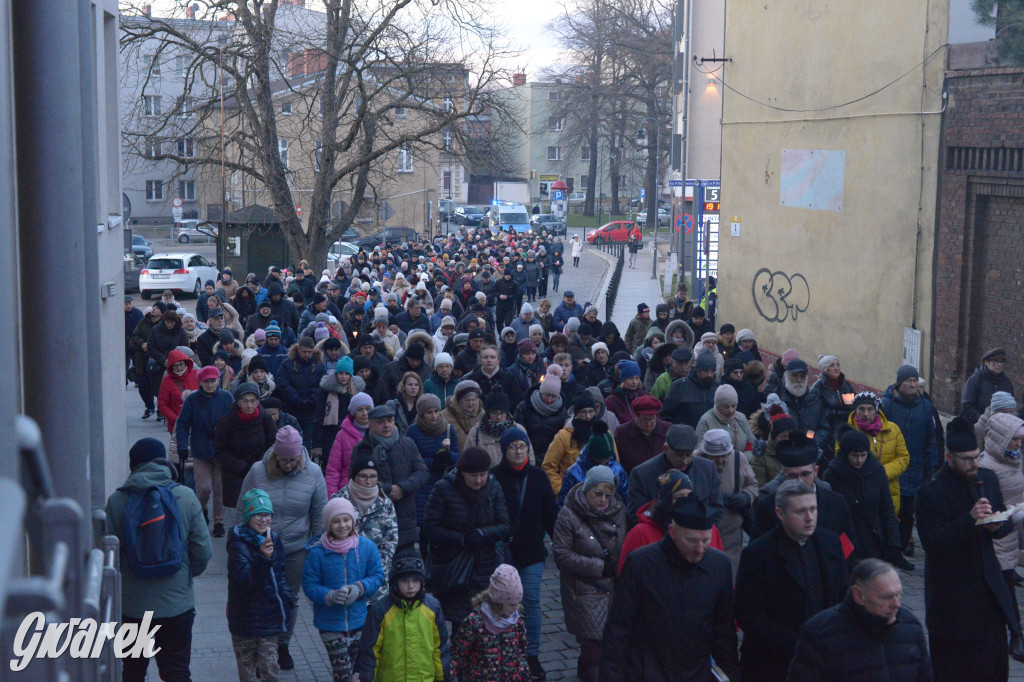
{"x": 647, "y": 532}
{"x": 169, "y": 400}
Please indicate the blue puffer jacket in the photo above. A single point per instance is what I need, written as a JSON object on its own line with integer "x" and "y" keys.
{"x": 259, "y": 598}
{"x": 578, "y": 471}
{"x": 915, "y": 422}
{"x": 197, "y": 422}
{"x": 428, "y": 447}
{"x": 326, "y": 570}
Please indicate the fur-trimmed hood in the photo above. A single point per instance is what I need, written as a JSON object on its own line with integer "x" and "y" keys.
{"x": 329, "y": 384}
{"x": 687, "y": 332}
{"x": 293, "y": 353}
{"x": 237, "y": 352}
{"x": 425, "y": 340}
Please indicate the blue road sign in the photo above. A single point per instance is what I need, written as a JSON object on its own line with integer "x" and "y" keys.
{"x": 557, "y": 195}
{"x": 643, "y": 193}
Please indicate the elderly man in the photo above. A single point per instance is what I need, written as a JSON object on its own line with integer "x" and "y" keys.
{"x": 643, "y": 437}
{"x": 677, "y": 453}
{"x": 868, "y": 637}
{"x": 986, "y": 380}
{"x": 803, "y": 405}
{"x": 672, "y": 613}
{"x": 968, "y": 605}
{"x": 690, "y": 397}
{"x": 793, "y": 572}
{"x": 638, "y": 326}
{"x": 739, "y": 489}
{"x": 681, "y": 363}
{"x": 566, "y": 309}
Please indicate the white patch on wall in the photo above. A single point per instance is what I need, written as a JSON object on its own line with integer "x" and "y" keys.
{"x": 813, "y": 178}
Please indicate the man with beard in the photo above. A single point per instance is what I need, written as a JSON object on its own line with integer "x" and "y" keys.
{"x": 986, "y": 380}
{"x": 968, "y": 606}
{"x": 690, "y": 397}
{"x": 211, "y": 337}
{"x": 261, "y": 319}
{"x": 467, "y": 359}
{"x": 804, "y": 407}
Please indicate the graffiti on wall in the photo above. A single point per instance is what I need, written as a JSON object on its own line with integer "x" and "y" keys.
{"x": 779, "y": 297}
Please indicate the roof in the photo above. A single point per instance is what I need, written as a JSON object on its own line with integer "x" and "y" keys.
{"x": 254, "y": 214}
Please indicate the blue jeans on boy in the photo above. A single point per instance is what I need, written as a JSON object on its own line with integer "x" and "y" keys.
{"x": 531, "y": 576}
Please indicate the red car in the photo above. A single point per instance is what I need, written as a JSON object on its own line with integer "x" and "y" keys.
{"x": 617, "y": 231}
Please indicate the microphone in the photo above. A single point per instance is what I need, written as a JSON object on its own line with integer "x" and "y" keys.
{"x": 978, "y": 491}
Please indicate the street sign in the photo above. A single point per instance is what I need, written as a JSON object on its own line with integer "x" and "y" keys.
{"x": 176, "y": 202}
{"x": 557, "y": 195}
{"x": 298, "y": 210}
{"x": 643, "y": 193}
{"x": 176, "y": 212}
{"x": 688, "y": 221}
{"x": 675, "y": 183}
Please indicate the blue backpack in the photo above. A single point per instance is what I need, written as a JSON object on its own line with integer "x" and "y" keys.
{"x": 154, "y": 544}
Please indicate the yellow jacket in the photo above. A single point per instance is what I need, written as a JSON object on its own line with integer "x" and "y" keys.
{"x": 891, "y": 450}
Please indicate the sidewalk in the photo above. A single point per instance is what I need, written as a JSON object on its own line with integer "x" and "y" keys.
{"x": 636, "y": 286}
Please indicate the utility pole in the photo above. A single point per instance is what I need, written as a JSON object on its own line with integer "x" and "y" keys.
{"x": 652, "y": 190}
{"x": 684, "y": 126}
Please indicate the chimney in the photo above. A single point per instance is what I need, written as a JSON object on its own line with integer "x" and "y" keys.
{"x": 228, "y": 17}
{"x": 295, "y": 63}
{"x": 147, "y": 10}
{"x": 190, "y": 11}
{"x": 518, "y": 79}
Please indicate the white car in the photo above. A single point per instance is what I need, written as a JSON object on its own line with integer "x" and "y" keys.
{"x": 190, "y": 231}
{"x": 340, "y": 253}
{"x": 182, "y": 273}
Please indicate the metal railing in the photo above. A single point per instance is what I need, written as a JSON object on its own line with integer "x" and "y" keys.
{"x": 45, "y": 534}
{"x": 618, "y": 250}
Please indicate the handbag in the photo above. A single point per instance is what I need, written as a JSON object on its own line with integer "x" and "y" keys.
{"x": 452, "y": 576}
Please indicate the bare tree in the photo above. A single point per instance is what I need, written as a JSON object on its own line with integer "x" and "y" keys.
{"x": 369, "y": 82}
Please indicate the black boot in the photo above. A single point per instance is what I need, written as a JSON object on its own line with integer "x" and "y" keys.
{"x": 1016, "y": 647}
{"x": 536, "y": 669}
{"x": 284, "y": 659}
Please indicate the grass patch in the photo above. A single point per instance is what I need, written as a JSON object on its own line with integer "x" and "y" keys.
{"x": 580, "y": 220}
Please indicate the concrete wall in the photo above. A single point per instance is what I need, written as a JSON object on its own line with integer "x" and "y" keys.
{"x": 704, "y": 149}
{"x": 847, "y": 276}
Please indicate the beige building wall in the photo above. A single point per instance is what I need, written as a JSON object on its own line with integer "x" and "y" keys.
{"x": 847, "y": 278}
{"x": 704, "y": 149}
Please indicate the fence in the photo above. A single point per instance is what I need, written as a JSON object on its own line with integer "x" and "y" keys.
{"x": 617, "y": 249}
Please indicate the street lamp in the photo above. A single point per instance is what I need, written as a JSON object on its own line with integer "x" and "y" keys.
{"x": 652, "y": 190}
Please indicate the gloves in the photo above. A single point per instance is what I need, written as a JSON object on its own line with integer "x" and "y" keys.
{"x": 737, "y": 501}
{"x": 442, "y": 460}
{"x": 351, "y": 593}
{"x": 335, "y": 597}
{"x": 609, "y": 570}
{"x": 182, "y": 455}
{"x": 473, "y": 539}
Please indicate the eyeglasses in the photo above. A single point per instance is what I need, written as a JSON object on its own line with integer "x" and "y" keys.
{"x": 519, "y": 446}
{"x": 970, "y": 460}
{"x": 262, "y": 516}
{"x": 586, "y": 412}
{"x": 366, "y": 477}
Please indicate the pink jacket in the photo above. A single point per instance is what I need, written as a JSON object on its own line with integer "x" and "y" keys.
{"x": 341, "y": 456}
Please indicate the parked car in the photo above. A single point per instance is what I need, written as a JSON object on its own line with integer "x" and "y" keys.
{"x": 388, "y": 234}
{"x": 468, "y": 215}
{"x": 132, "y": 267}
{"x": 349, "y": 234}
{"x": 664, "y": 217}
{"x": 577, "y": 198}
{"x": 191, "y": 230}
{"x": 140, "y": 247}
{"x": 615, "y": 231}
{"x": 340, "y": 253}
{"x": 446, "y": 209}
{"x": 546, "y": 221}
{"x": 180, "y": 272}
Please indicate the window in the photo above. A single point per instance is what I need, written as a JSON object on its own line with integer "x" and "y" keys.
{"x": 282, "y": 148}
{"x": 399, "y": 112}
{"x": 318, "y": 155}
{"x": 152, "y": 147}
{"x": 449, "y": 105}
{"x": 554, "y": 122}
{"x": 286, "y": 109}
{"x": 186, "y": 147}
{"x": 153, "y": 62}
{"x": 446, "y": 181}
{"x": 554, "y": 95}
{"x": 180, "y": 65}
{"x": 585, "y": 153}
{"x": 154, "y": 190}
{"x": 321, "y": 100}
{"x": 447, "y": 141}
{"x": 405, "y": 159}
{"x": 187, "y": 190}
{"x": 554, "y": 153}
{"x": 187, "y": 105}
{"x": 151, "y": 105}
{"x": 584, "y": 181}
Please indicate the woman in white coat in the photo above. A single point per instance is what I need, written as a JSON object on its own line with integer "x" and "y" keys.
{"x": 577, "y": 249}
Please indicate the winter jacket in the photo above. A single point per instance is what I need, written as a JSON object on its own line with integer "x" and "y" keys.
{"x": 163, "y": 340}
{"x": 337, "y": 470}
{"x": 669, "y": 618}
{"x": 446, "y": 522}
{"x": 502, "y": 380}
{"x": 439, "y": 387}
{"x": 380, "y": 524}
{"x": 872, "y": 510}
{"x": 401, "y": 466}
{"x": 1001, "y": 428}
{"x": 259, "y": 599}
{"x": 834, "y": 410}
{"x": 578, "y": 472}
{"x": 737, "y": 478}
{"x": 173, "y": 595}
{"x": 462, "y": 422}
{"x": 533, "y": 517}
{"x": 392, "y": 374}
{"x": 688, "y": 399}
{"x": 978, "y": 390}
{"x": 738, "y": 429}
{"x": 429, "y": 448}
{"x": 298, "y": 497}
{"x": 562, "y": 313}
{"x": 273, "y": 356}
{"x": 680, "y": 326}
{"x": 404, "y": 640}
{"x": 282, "y": 310}
{"x": 584, "y": 544}
{"x": 522, "y": 327}
{"x": 643, "y": 483}
{"x": 891, "y": 450}
{"x": 239, "y": 445}
{"x": 808, "y": 414}
{"x": 169, "y": 400}
{"x": 298, "y": 384}
{"x": 847, "y": 644}
{"x": 750, "y": 398}
{"x": 765, "y": 463}
{"x": 561, "y": 455}
{"x": 635, "y": 447}
{"x": 197, "y": 422}
{"x": 478, "y": 438}
{"x": 480, "y": 656}
{"x": 636, "y": 332}
{"x": 527, "y": 375}
{"x": 620, "y": 404}
{"x": 914, "y": 419}
{"x": 326, "y": 570}
{"x": 140, "y": 335}
{"x": 541, "y": 428}
{"x": 331, "y": 405}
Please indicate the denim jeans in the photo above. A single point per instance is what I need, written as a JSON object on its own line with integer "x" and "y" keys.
{"x": 531, "y": 576}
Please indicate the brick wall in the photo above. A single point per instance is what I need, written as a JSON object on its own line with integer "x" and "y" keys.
{"x": 979, "y": 251}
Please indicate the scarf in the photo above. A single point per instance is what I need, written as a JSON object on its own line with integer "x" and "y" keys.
{"x": 494, "y": 623}
{"x": 432, "y": 430}
{"x": 478, "y": 504}
{"x": 872, "y": 428}
{"x": 543, "y": 409}
{"x": 331, "y": 413}
{"x": 835, "y": 384}
{"x": 363, "y": 496}
{"x": 249, "y": 535}
{"x": 495, "y": 429}
{"x": 341, "y": 547}
{"x": 382, "y": 446}
{"x": 357, "y": 427}
{"x": 1013, "y": 455}
{"x": 580, "y": 432}
{"x": 249, "y": 418}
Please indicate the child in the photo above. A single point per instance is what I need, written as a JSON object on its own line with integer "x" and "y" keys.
{"x": 220, "y": 361}
{"x": 259, "y": 599}
{"x": 342, "y": 567}
{"x": 490, "y": 645}
{"x": 405, "y": 637}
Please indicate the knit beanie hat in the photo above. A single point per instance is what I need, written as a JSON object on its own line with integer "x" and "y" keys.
{"x": 496, "y": 400}
{"x": 583, "y": 401}
{"x": 627, "y": 369}
{"x": 364, "y": 460}
{"x": 571, "y": 325}
{"x": 671, "y": 481}
{"x": 598, "y": 474}
{"x": 245, "y": 389}
{"x": 725, "y": 394}
{"x": 551, "y": 384}
{"x": 511, "y": 436}
{"x": 825, "y": 360}
{"x": 288, "y": 443}
{"x": 526, "y": 346}
{"x": 407, "y": 566}
{"x": 260, "y": 334}
{"x": 447, "y": 320}
{"x": 505, "y": 586}
{"x": 359, "y": 400}
{"x": 731, "y": 365}
{"x": 443, "y": 359}
{"x": 716, "y": 443}
{"x": 709, "y": 336}
{"x": 744, "y": 335}
{"x": 345, "y": 365}
{"x": 706, "y": 362}
{"x": 146, "y": 450}
{"x": 427, "y": 401}
{"x": 536, "y": 329}
{"x": 601, "y": 445}
{"x": 1001, "y": 400}
{"x": 527, "y": 308}
{"x": 255, "y": 501}
{"x": 273, "y": 330}
{"x": 464, "y": 387}
{"x": 335, "y": 506}
{"x": 866, "y": 398}
{"x": 853, "y": 441}
{"x": 600, "y": 345}
{"x": 415, "y": 352}
{"x": 788, "y": 356}
{"x": 474, "y": 461}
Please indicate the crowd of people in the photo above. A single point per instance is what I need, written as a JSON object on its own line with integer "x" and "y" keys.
{"x": 403, "y": 441}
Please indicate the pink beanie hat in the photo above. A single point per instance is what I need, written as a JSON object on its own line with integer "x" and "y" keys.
{"x": 288, "y": 444}
{"x": 335, "y": 506}
{"x": 260, "y": 334}
{"x": 789, "y": 356}
{"x": 505, "y": 587}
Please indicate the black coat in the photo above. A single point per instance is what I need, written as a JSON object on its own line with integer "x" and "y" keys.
{"x": 809, "y": 415}
{"x": 750, "y": 398}
{"x": 511, "y": 291}
{"x": 502, "y": 380}
{"x": 978, "y": 390}
{"x": 668, "y": 618}
{"x": 238, "y": 445}
{"x": 536, "y": 516}
{"x": 847, "y": 644}
{"x": 540, "y": 428}
{"x": 298, "y": 384}
{"x": 833, "y": 513}
{"x": 965, "y": 596}
{"x": 393, "y": 372}
{"x": 163, "y": 340}
{"x": 833, "y": 409}
{"x": 688, "y": 399}
{"x": 874, "y": 516}
{"x": 403, "y": 466}
{"x": 259, "y": 598}
{"x": 771, "y": 603}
